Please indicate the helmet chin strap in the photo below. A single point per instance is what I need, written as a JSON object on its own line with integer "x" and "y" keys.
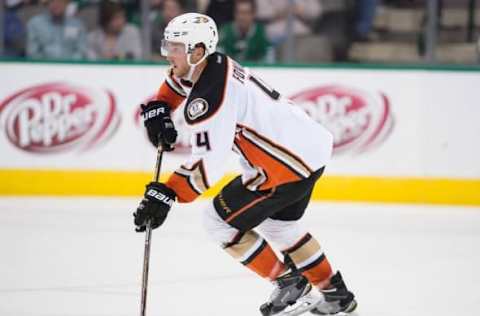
{"x": 189, "y": 75}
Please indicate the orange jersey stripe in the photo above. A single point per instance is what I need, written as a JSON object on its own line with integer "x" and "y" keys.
{"x": 277, "y": 172}
{"x": 285, "y": 151}
{"x": 179, "y": 183}
{"x": 167, "y": 94}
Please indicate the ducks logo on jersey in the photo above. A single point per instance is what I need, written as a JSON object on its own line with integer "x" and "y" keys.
{"x": 197, "y": 108}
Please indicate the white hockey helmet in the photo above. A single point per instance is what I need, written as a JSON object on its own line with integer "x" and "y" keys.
{"x": 191, "y": 29}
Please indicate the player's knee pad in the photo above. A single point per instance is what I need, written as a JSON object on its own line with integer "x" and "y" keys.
{"x": 281, "y": 234}
{"x": 218, "y": 230}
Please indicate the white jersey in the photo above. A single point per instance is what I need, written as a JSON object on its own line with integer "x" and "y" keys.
{"x": 228, "y": 109}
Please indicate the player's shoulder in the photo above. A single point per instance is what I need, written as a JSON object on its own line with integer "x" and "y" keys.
{"x": 208, "y": 93}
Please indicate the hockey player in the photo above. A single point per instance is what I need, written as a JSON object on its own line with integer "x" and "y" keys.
{"x": 282, "y": 153}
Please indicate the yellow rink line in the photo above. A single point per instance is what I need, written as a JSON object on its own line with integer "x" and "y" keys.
{"x": 330, "y": 187}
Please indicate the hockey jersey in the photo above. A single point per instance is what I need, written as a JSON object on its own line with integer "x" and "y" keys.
{"x": 229, "y": 108}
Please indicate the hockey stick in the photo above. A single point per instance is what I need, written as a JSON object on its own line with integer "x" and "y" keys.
{"x": 148, "y": 238}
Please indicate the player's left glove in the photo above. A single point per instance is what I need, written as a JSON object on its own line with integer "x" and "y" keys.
{"x": 157, "y": 201}
{"x": 159, "y": 125}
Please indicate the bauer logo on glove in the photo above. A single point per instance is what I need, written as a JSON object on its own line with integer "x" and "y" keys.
{"x": 161, "y": 197}
{"x": 154, "y": 207}
{"x": 154, "y": 113}
{"x": 159, "y": 125}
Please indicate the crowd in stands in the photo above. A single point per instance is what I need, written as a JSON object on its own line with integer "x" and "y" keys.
{"x": 250, "y": 30}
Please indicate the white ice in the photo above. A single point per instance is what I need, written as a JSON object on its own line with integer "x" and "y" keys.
{"x": 80, "y": 257}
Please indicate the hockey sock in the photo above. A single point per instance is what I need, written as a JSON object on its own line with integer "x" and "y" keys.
{"x": 309, "y": 258}
{"x": 256, "y": 254}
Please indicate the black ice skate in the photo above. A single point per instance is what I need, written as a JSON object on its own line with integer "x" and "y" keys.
{"x": 338, "y": 299}
{"x": 292, "y": 296}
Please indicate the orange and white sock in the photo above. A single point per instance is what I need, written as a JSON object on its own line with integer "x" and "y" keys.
{"x": 309, "y": 258}
{"x": 256, "y": 254}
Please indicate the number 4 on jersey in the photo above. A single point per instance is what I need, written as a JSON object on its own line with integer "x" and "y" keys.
{"x": 202, "y": 140}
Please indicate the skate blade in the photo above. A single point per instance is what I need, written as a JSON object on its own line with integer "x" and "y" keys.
{"x": 303, "y": 305}
{"x": 352, "y": 312}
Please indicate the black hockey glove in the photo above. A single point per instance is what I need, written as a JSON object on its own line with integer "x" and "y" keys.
{"x": 157, "y": 201}
{"x": 160, "y": 128}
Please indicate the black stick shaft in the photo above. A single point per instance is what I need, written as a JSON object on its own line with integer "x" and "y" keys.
{"x": 158, "y": 165}
{"x": 148, "y": 240}
{"x": 146, "y": 264}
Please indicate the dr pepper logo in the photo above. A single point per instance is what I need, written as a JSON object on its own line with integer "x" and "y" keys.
{"x": 358, "y": 120}
{"x": 56, "y": 117}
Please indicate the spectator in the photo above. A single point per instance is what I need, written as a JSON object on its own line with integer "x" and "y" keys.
{"x": 364, "y": 15}
{"x": 168, "y": 10}
{"x": 275, "y": 14}
{"x": 221, "y": 11}
{"x": 478, "y": 49}
{"x": 54, "y": 35}
{"x": 115, "y": 38}
{"x": 244, "y": 39}
{"x": 14, "y": 30}
{"x": 336, "y": 26}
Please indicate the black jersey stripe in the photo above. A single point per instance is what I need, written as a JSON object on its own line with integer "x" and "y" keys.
{"x": 211, "y": 87}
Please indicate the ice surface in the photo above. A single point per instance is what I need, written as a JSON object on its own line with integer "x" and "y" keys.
{"x": 80, "y": 257}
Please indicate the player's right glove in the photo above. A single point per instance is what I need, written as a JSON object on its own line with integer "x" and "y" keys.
{"x": 157, "y": 201}
{"x": 159, "y": 125}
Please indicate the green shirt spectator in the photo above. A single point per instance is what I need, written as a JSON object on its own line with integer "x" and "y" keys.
{"x": 252, "y": 46}
{"x": 53, "y": 35}
{"x": 244, "y": 39}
